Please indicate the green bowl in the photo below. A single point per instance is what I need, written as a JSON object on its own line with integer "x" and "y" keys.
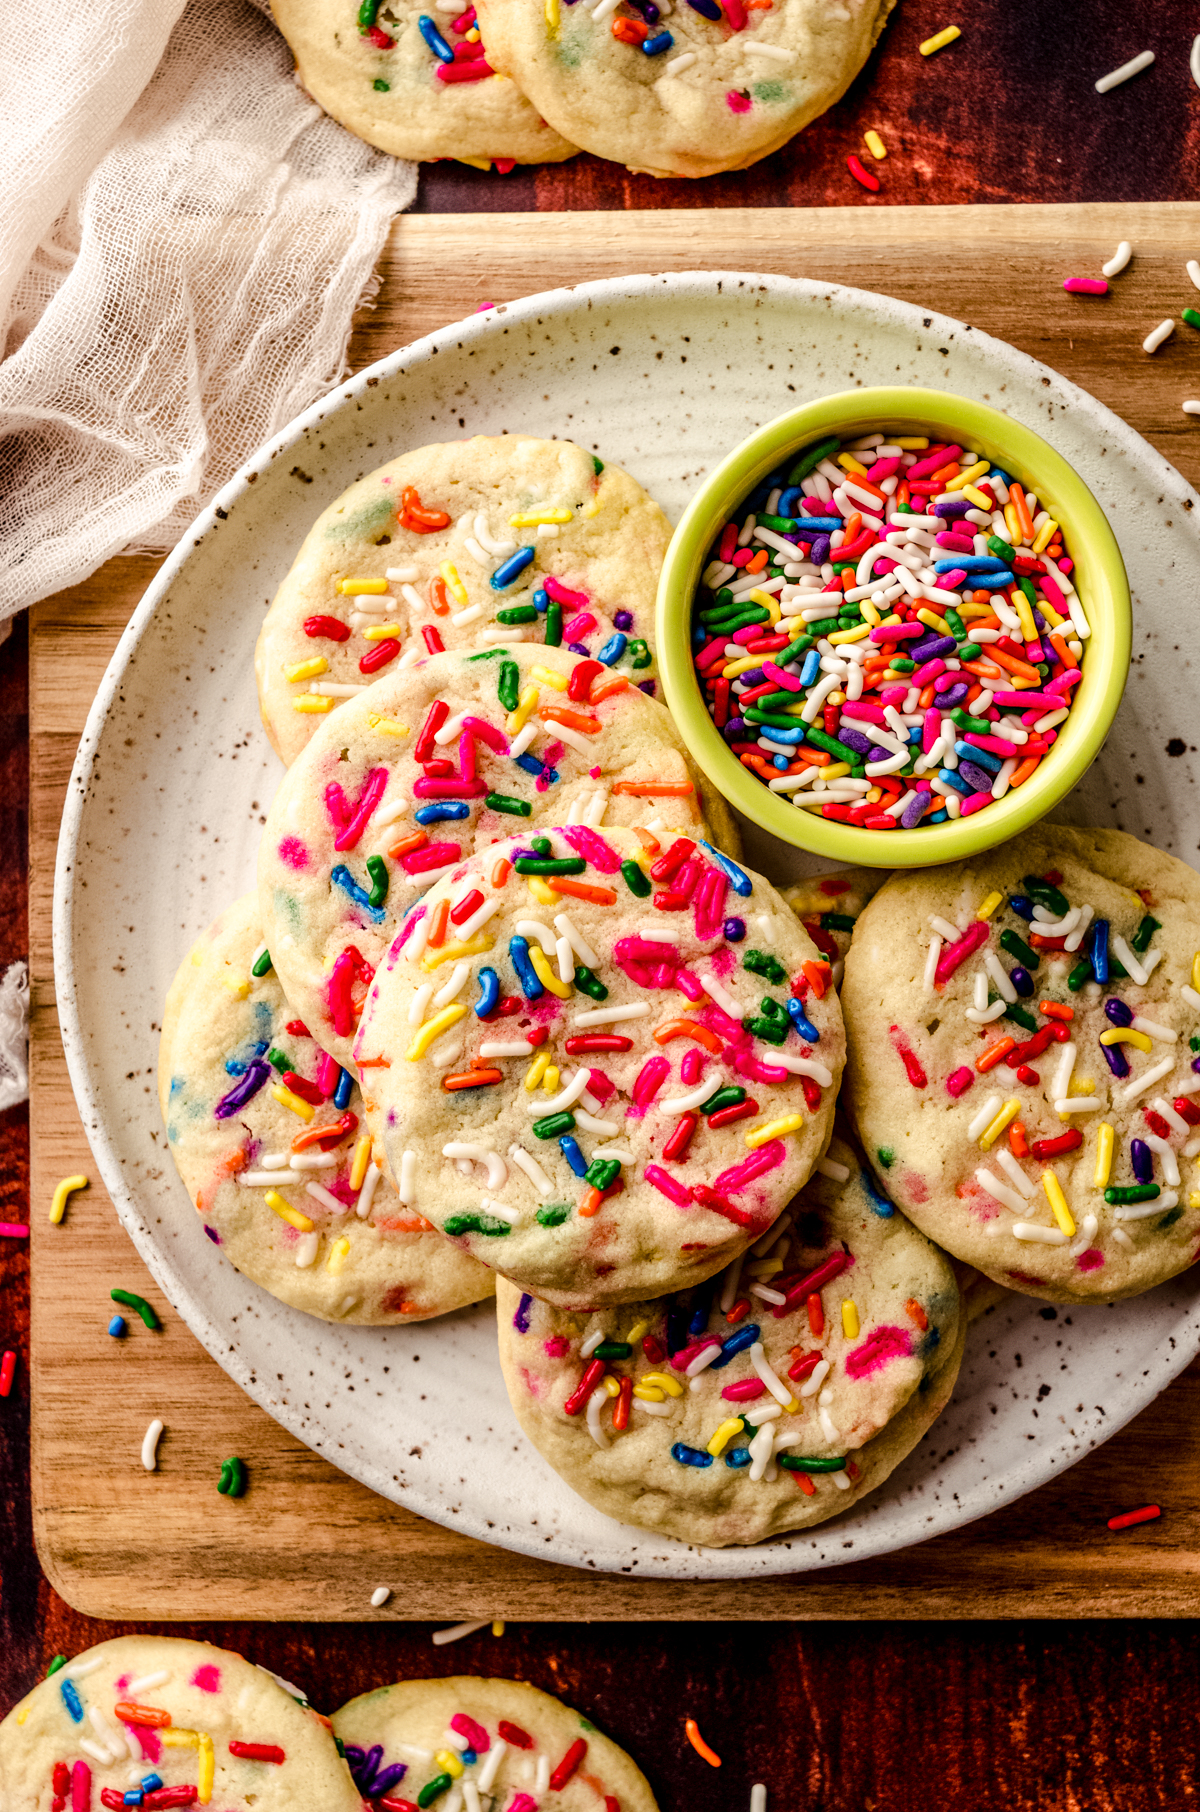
{"x": 1099, "y": 577}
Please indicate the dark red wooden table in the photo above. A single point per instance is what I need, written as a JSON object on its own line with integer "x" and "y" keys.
{"x": 853, "y": 1717}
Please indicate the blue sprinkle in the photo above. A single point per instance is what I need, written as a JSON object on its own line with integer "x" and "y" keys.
{"x": 781, "y": 762}
{"x": 540, "y": 600}
{"x": 690, "y": 1456}
{"x": 341, "y": 877}
{"x": 444, "y": 809}
{"x": 518, "y": 950}
{"x": 1022, "y": 981}
{"x": 734, "y": 930}
{"x": 151, "y": 1783}
{"x": 489, "y": 993}
{"x": 952, "y": 779}
{"x": 737, "y": 1343}
{"x": 133, "y": 1797}
{"x": 974, "y": 563}
{"x": 510, "y": 570}
{"x": 883, "y": 1207}
{"x": 468, "y": 1756}
{"x": 434, "y": 39}
{"x": 811, "y": 668}
{"x": 521, "y": 1318}
{"x": 571, "y": 1152}
{"x": 938, "y": 817}
{"x": 234, "y": 1067}
{"x": 739, "y": 880}
{"x": 1024, "y": 908}
{"x": 654, "y": 47}
{"x": 802, "y": 1022}
{"x": 341, "y": 1094}
{"x": 116, "y": 1326}
{"x": 789, "y": 501}
{"x": 71, "y": 1700}
{"x": 982, "y": 758}
{"x": 698, "y": 1323}
{"x": 1099, "y": 951}
{"x": 737, "y": 1457}
{"x": 613, "y": 649}
{"x": 825, "y": 524}
{"x": 533, "y": 766}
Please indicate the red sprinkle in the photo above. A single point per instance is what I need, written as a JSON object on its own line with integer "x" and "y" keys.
{"x": 258, "y": 1752}
{"x": 8, "y": 1371}
{"x": 1147, "y": 1514}
{"x": 380, "y": 655}
{"x": 1070, "y": 1140}
{"x": 330, "y": 628}
{"x": 512, "y": 1733}
{"x": 568, "y": 1765}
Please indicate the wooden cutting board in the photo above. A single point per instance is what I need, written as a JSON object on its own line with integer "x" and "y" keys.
{"x": 308, "y": 1543}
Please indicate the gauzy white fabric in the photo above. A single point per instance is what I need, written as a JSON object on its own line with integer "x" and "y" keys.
{"x": 184, "y": 239}
{"x": 14, "y": 1035}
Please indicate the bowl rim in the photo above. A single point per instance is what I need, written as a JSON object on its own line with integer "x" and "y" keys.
{"x": 1099, "y": 575}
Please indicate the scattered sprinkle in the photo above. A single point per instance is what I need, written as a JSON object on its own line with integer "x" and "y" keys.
{"x": 699, "y": 1745}
{"x": 380, "y": 1596}
{"x": 1134, "y": 67}
{"x": 1147, "y": 1514}
{"x": 1162, "y": 332}
{"x": 68, "y": 1186}
{"x": 940, "y": 40}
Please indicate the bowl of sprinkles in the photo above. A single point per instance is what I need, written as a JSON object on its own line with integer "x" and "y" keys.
{"x": 894, "y": 610}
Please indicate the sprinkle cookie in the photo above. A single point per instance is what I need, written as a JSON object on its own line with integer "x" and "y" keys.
{"x": 432, "y": 764}
{"x": 266, "y": 1132}
{"x": 166, "y": 1718}
{"x": 1023, "y": 1068}
{"x": 466, "y": 544}
{"x": 601, "y": 1062}
{"x": 682, "y": 89}
{"x": 771, "y": 1399}
{"x": 414, "y": 80}
{"x": 484, "y": 1743}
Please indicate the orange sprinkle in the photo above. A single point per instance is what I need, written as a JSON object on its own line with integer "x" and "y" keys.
{"x": 816, "y": 1315}
{"x": 1058, "y": 643}
{"x": 655, "y": 789}
{"x": 1017, "y": 499}
{"x": 592, "y": 1198}
{"x": 647, "y": 839}
{"x": 406, "y": 845}
{"x": 912, "y": 1307}
{"x": 699, "y": 1745}
{"x": 818, "y": 976}
{"x": 759, "y": 560}
{"x": 405, "y": 1223}
{"x": 581, "y": 890}
{"x": 437, "y": 931}
{"x": 687, "y": 1028}
{"x": 982, "y": 669}
{"x": 472, "y": 1078}
{"x": 374, "y": 1063}
{"x": 501, "y": 872}
{"x": 437, "y": 595}
{"x": 805, "y": 1483}
{"x": 945, "y": 472}
{"x": 148, "y": 1715}
{"x": 1021, "y": 774}
{"x": 1018, "y": 1144}
{"x": 605, "y": 688}
{"x": 995, "y": 1053}
{"x": 574, "y": 720}
{"x": 1054, "y": 1009}
{"x": 1019, "y": 669}
{"x": 853, "y": 524}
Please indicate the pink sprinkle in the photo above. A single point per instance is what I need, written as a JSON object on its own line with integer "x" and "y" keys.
{"x": 328, "y": 1071}
{"x": 578, "y": 627}
{"x": 861, "y": 713}
{"x": 557, "y": 1346}
{"x": 1090, "y": 1260}
{"x": 735, "y": 12}
{"x": 975, "y": 803}
{"x": 650, "y": 1079}
{"x": 570, "y": 600}
{"x": 959, "y": 1081}
{"x": 293, "y": 853}
{"x": 948, "y": 581}
{"x": 409, "y": 927}
{"x": 425, "y": 788}
{"x": 958, "y": 544}
{"x": 434, "y": 855}
{"x": 486, "y": 732}
{"x": 925, "y": 468}
{"x": 1023, "y": 700}
{"x": 929, "y": 671}
{"x": 956, "y": 954}
{"x": 592, "y": 847}
{"x": 883, "y": 468}
{"x": 1086, "y": 286}
{"x": 745, "y": 1390}
{"x": 600, "y": 1085}
{"x": 475, "y": 1734}
{"x": 666, "y": 1185}
{"x": 893, "y": 695}
{"x": 740, "y": 1176}
{"x": 931, "y": 729}
{"x": 898, "y": 632}
{"x": 738, "y": 103}
{"x": 682, "y": 1359}
{"x": 882, "y": 1345}
{"x": 995, "y": 745}
{"x": 789, "y": 681}
{"x": 13, "y": 1230}
{"x": 689, "y": 984}
{"x": 692, "y": 1067}
{"x": 81, "y": 1788}
{"x": 207, "y": 1678}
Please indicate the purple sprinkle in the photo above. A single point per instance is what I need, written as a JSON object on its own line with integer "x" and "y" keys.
{"x": 854, "y": 739}
{"x": 245, "y": 1091}
{"x": 955, "y": 696}
{"x": 950, "y": 510}
{"x": 576, "y": 648}
{"x": 735, "y": 729}
{"x": 648, "y": 686}
{"x": 878, "y": 752}
{"x": 623, "y": 619}
{"x": 734, "y": 930}
{"x": 521, "y": 1318}
{"x": 976, "y": 776}
{"x": 1141, "y": 1160}
{"x": 936, "y": 648}
{"x": 753, "y": 676}
{"x": 1116, "y": 1059}
{"x": 820, "y": 550}
{"x": 213, "y": 1235}
{"x": 387, "y": 1779}
{"x": 914, "y": 811}
{"x": 1118, "y": 1012}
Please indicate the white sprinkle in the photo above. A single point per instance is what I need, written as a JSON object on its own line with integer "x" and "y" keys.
{"x": 578, "y": 942}
{"x": 611, "y": 1016}
{"x": 79, "y": 1670}
{"x": 622, "y": 1153}
{"x": 402, "y": 575}
{"x": 97, "y": 1752}
{"x": 304, "y": 1160}
{"x": 767, "y": 1294}
{"x": 803, "y": 1066}
{"x": 150, "y": 1446}
{"x": 1038, "y": 1236}
{"x": 1115, "y": 77}
{"x": 1002, "y": 1193}
{"x": 1173, "y": 1120}
{"x": 931, "y": 963}
{"x": 1122, "y": 1237}
{"x": 1120, "y": 257}
{"x": 307, "y": 1247}
{"x": 1078, "y": 1104}
{"x": 492, "y": 1162}
{"x": 678, "y": 64}
{"x": 985, "y": 1116}
{"x": 329, "y": 689}
{"x": 532, "y": 1169}
{"x": 829, "y": 1167}
{"x": 380, "y": 1596}
{"x": 775, "y": 1385}
{"x": 496, "y": 1047}
{"x": 470, "y": 1790}
{"x": 812, "y": 1384}
{"x": 326, "y": 1197}
{"x": 145, "y": 1682}
{"x": 1060, "y": 1087}
{"x": 1153, "y": 1029}
{"x": 1149, "y": 1077}
{"x": 566, "y": 1097}
{"x": 1141, "y": 1211}
{"x": 1154, "y": 340}
{"x": 362, "y": 1206}
{"x": 729, "y": 1288}
{"x": 1191, "y": 997}
{"x": 595, "y": 1407}
{"x": 454, "y": 986}
{"x": 533, "y": 928}
{"x": 1193, "y": 407}
{"x": 775, "y": 51}
{"x": 455, "y": 1634}
{"x": 1170, "y": 1164}
{"x": 587, "y": 1347}
{"x": 1192, "y": 267}
{"x": 606, "y": 1129}
{"x": 1009, "y": 1165}
{"x": 495, "y": 1755}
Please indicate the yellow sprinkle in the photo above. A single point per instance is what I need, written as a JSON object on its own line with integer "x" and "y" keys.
{"x": 450, "y": 953}
{"x": 1051, "y": 615}
{"x": 548, "y": 976}
{"x": 387, "y": 726}
{"x": 472, "y": 37}
{"x": 285, "y": 1098}
{"x": 549, "y": 678}
{"x": 976, "y": 496}
{"x": 497, "y": 1627}
{"x": 1196, "y": 972}
{"x": 433, "y": 1029}
{"x": 552, "y": 23}
{"x": 611, "y": 1385}
{"x": 206, "y": 1767}
{"x": 173, "y": 1738}
{"x": 542, "y": 892}
{"x": 381, "y": 632}
{"x": 286, "y": 1212}
{"x": 724, "y": 1435}
{"x": 1194, "y": 1199}
{"x": 1104, "y": 1155}
{"x": 592, "y": 508}
{"x": 358, "y": 1169}
{"x": 850, "y": 1319}
{"x": 1082, "y": 1085}
{"x": 869, "y": 611}
{"x": 364, "y": 586}
{"x": 337, "y": 1254}
{"x": 1058, "y": 1202}
{"x": 476, "y": 163}
{"x": 851, "y": 635}
{"x": 238, "y": 986}
{"x": 534, "y": 518}
{"x": 849, "y": 464}
{"x": 68, "y": 1186}
{"x": 1025, "y": 617}
{"x": 1012, "y": 524}
{"x": 766, "y": 1267}
{"x": 969, "y": 476}
{"x": 774, "y": 1129}
{"x": 835, "y": 770}
{"x": 313, "y": 703}
{"x": 910, "y": 443}
{"x": 766, "y": 600}
{"x": 536, "y": 1071}
{"x": 1045, "y": 535}
{"x": 931, "y": 620}
{"x": 550, "y": 1079}
{"x": 878, "y": 150}
{"x": 992, "y": 1132}
{"x": 989, "y": 906}
{"x": 1126, "y": 1035}
{"x": 24, "y": 1713}
{"x": 662, "y": 1381}
{"x": 968, "y": 612}
{"x": 648, "y": 1394}
{"x": 525, "y": 704}
{"x": 873, "y": 796}
{"x": 939, "y": 40}
{"x": 449, "y": 573}
{"x": 306, "y": 669}
{"x": 637, "y": 1331}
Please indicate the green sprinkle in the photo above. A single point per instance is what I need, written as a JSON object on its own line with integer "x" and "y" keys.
{"x": 639, "y": 653}
{"x": 1020, "y": 1017}
{"x": 598, "y": 464}
{"x": 541, "y": 846}
{"x": 1042, "y": 893}
{"x": 729, "y": 1096}
{"x": 232, "y": 1482}
{"x": 1117, "y": 969}
{"x": 900, "y": 663}
{"x": 552, "y": 1126}
{"x": 794, "y": 650}
{"x": 794, "y": 1462}
{"x": 504, "y": 802}
{"x": 1194, "y": 1042}
{"x": 967, "y": 651}
{"x": 1016, "y": 946}
{"x": 549, "y": 865}
{"x": 380, "y": 86}
{"x": 979, "y": 726}
{"x": 589, "y": 983}
{"x": 432, "y": 1789}
{"x": 261, "y": 965}
{"x": 554, "y": 626}
{"x": 508, "y": 685}
{"x": 1000, "y": 549}
{"x": 488, "y": 654}
{"x": 774, "y": 719}
{"x": 823, "y": 626}
{"x": 761, "y": 964}
{"x": 810, "y": 460}
{"x": 58, "y": 1661}
{"x": 834, "y": 921}
{"x": 1079, "y": 974}
{"x": 1140, "y": 941}
{"x": 1133, "y": 1192}
{"x": 886, "y": 1156}
{"x": 516, "y": 614}
{"x": 1168, "y": 1220}
{"x": 774, "y": 701}
{"x": 613, "y": 1349}
{"x": 602, "y": 1172}
{"x": 771, "y": 1009}
{"x": 779, "y": 524}
{"x": 280, "y": 1061}
{"x": 129, "y": 1301}
{"x": 475, "y": 1223}
{"x": 553, "y": 1215}
{"x": 635, "y": 878}
{"x": 1026, "y": 586}
{"x": 1191, "y": 317}
{"x": 366, "y": 14}
{"x": 770, "y": 1029}
{"x": 377, "y": 868}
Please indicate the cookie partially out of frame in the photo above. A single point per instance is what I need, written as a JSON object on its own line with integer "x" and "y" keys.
{"x": 164, "y": 1712}
{"x": 464, "y": 544}
{"x": 837, "y": 1342}
{"x": 1022, "y": 1070}
{"x": 484, "y": 1742}
{"x": 375, "y": 71}
{"x": 683, "y": 89}
{"x": 631, "y": 1048}
{"x": 266, "y": 1132}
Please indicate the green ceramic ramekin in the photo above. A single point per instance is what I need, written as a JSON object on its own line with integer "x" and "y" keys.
{"x": 1099, "y": 577}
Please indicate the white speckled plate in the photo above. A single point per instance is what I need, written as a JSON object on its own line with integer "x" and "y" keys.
{"x": 663, "y": 375}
